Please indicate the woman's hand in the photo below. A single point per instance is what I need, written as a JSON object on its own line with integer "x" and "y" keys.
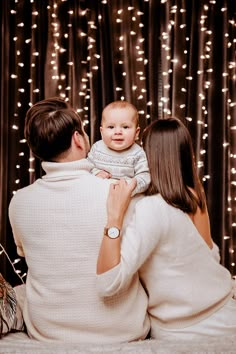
{"x": 118, "y": 201}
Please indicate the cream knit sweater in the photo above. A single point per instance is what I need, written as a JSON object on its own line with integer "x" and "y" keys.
{"x": 58, "y": 225}
{"x": 184, "y": 280}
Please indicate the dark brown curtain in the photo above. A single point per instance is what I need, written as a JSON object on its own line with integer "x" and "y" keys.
{"x": 167, "y": 57}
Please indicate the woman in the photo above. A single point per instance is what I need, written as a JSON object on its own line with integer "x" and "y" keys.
{"x": 169, "y": 242}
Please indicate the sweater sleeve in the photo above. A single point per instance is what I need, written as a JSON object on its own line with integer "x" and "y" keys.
{"x": 142, "y": 174}
{"x": 92, "y": 160}
{"x": 215, "y": 252}
{"x": 13, "y": 209}
{"x": 139, "y": 240}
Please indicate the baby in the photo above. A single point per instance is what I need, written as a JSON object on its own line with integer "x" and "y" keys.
{"x": 117, "y": 155}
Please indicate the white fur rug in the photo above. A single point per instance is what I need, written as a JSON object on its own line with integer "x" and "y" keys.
{"x": 19, "y": 343}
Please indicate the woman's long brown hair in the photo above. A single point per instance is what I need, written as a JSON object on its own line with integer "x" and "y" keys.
{"x": 168, "y": 146}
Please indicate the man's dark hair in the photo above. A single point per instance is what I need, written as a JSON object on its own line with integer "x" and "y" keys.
{"x": 49, "y": 126}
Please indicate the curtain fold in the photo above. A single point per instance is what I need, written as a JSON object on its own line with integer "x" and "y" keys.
{"x": 4, "y": 136}
{"x": 167, "y": 57}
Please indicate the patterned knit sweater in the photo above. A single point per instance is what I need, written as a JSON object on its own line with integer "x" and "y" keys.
{"x": 121, "y": 164}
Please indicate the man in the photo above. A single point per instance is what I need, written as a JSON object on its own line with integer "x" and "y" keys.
{"x": 58, "y": 223}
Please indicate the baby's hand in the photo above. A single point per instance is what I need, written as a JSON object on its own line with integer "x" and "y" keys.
{"x": 103, "y": 174}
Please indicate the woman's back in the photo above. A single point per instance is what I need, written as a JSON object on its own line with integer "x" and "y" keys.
{"x": 201, "y": 220}
{"x": 184, "y": 281}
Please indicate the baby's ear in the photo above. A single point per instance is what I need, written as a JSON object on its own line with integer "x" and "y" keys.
{"x": 137, "y": 133}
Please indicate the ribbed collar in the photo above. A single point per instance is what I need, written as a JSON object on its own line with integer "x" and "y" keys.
{"x": 65, "y": 170}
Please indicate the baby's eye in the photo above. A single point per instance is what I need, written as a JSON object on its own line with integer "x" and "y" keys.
{"x": 110, "y": 127}
{"x": 126, "y": 127}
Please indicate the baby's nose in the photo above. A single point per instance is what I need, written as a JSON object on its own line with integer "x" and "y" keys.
{"x": 118, "y": 130}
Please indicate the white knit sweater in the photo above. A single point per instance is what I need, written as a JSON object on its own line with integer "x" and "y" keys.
{"x": 184, "y": 280}
{"x": 58, "y": 225}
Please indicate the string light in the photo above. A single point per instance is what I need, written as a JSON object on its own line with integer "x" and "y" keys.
{"x": 134, "y": 40}
{"x": 17, "y": 260}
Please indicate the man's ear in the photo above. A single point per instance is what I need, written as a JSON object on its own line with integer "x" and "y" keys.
{"x": 76, "y": 138}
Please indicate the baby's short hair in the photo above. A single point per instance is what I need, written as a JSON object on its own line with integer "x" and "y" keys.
{"x": 121, "y": 104}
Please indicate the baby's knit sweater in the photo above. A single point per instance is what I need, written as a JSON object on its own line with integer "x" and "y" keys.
{"x": 127, "y": 164}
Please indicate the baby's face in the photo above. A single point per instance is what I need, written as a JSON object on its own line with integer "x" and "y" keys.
{"x": 119, "y": 128}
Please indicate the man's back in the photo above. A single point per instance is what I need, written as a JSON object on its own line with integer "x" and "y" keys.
{"x": 58, "y": 224}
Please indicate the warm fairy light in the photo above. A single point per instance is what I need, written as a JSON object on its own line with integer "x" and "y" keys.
{"x": 175, "y": 65}
{"x": 12, "y": 263}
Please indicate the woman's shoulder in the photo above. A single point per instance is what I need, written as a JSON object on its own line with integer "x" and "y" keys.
{"x": 154, "y": 207}
{"x": 152, "y": 202}
{"x": 153, "y": 216}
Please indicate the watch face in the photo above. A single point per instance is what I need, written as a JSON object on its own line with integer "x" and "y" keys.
{"x": 113, "y": 232}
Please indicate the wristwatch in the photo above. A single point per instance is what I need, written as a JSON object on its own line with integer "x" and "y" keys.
{"x": 112, "y": 232}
